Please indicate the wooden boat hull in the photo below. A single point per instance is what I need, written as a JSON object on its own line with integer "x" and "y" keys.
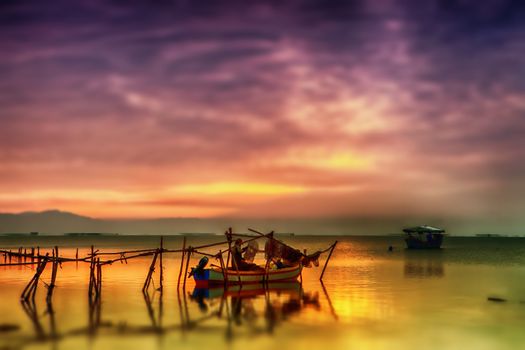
{"x": 214, "y": 276}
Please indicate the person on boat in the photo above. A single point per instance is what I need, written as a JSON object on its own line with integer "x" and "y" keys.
{"x": 237, "y": 251}
{"x": 238, "y": 260}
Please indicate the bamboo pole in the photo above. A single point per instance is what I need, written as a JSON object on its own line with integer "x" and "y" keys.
{"x": 161, "y": 277}
{"x": 224, "y": 271}
{"x": 327, "y": 260}
{"x": 237, "y": 271}
{"x": 150, "y": 273}
{"x": 186, "y": 270}
{"x": 53, "y": 276}
{"x": 91, "y": 274}
{"x": 229, "y": 239}
{"x": 33, "y": 283}
{"x": 181, "y": 261}
{"x": 266, "y": 272}
{"x": 99, "y": 279}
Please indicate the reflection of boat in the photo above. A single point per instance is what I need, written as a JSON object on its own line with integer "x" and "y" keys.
{"x": 422, "y": 270}
{"x": 215, "y": 276}
{"x": 424, "y": 237}
{"x": 244, "y": 305}
{"x": 247, "y": 290}
{"x": 426, "y": 265}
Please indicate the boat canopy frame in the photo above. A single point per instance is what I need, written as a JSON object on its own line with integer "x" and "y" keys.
{"x": 424, "y": 229}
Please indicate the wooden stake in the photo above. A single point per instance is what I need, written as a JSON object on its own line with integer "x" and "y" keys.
{"x": 266, "y": 272}
{"x": 327, "y": 260}
{"x": 99, "y": 279}
{"x": 229, "y": 238}
{"x": 224, "y": 271}
{"x": 237, "y": 270}
{"x": 30, "y": 289}
{"x": 181, "y": 261}
{"x": 150, "y": 272}
{"x": 91, "y": 274}
{"x": 53, "y": 276}
{"x": 161, "y": 286}
{"x": 186, "y": 270}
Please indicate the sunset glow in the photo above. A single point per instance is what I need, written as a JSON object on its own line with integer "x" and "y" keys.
{"x": 362, "y": 109}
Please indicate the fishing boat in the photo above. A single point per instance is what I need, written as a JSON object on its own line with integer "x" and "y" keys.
{"x": 283, "y": 263}
{"x": 424, "y": 237}
{"x": 215, "y": 276}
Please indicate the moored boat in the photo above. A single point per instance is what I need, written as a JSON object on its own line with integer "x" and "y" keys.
{"x": 424, "y": 237}
{"x": 215, "y": 276}
{"x": 283, "y": 263}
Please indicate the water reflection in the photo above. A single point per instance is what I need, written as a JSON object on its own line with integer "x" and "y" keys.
{"x": 424, "y": 264}
{"x": 255, "y": 309}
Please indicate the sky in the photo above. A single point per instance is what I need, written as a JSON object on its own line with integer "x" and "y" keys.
{"x": 264, "y": 109}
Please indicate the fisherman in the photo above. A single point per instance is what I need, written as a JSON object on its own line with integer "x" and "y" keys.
{"x": 238, "y": 261}
{"x": 237, "y": 251}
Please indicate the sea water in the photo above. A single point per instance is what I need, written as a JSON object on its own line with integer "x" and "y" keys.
{"x": 370, "y": 299}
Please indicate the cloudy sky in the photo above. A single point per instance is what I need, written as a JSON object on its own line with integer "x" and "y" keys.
{"x": 299, "y": 109}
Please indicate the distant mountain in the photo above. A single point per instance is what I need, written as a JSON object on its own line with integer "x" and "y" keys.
{"x": 59, "y": 222}
{"x": 54, "y": 221}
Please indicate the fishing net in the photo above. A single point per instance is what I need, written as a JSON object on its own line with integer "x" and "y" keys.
{"x": 251, "y": 251}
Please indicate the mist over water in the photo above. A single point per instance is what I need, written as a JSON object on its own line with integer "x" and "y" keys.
{"x": 371, "y": 298}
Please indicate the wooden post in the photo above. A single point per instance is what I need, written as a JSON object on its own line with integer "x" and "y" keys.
{"x": 31, "y": 287}
{"x": 328, "y": 259}
{"x": 181, "y": 260}
{"x": 237, "y": 270}
{"x": 150, "y": 273}
{"x": 53, "y": 276}
{"x": 161, "y": 286}
{"x": 224, "y": 270}
{"x": 266, "y": 272}
{"x": 186, "y": 270}
{"x": 91, "y": 274}
{"x": 99, "y": 279}
{"x": 229, "y": 238}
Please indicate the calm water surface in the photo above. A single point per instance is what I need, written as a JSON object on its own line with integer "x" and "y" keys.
{"x": 371, "y": 299}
